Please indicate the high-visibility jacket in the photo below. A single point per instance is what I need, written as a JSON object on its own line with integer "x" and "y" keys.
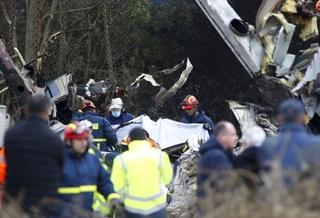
{"x": 82, "y": 177}
{"x": 139, "y": 175}
{"x": 104, "y": 136}
{"x": 3, "y": 167}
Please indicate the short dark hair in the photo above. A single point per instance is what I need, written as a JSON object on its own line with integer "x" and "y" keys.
{"x": 38, "y": 104}
{"x": 137, "y": 134}
{"x": 219, "y": 127}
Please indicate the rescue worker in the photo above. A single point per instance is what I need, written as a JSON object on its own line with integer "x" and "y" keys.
{"x": 34, "y": 156}
{"x": 139, "y": 175}
{"x": 83, "y": 173}
{"x": 118, "y": 115}
{"x": 192, "y": 114}
{"x": 104, "y": 136}
{"x": 294, "y": 149}
{"x": 216, "y": 155}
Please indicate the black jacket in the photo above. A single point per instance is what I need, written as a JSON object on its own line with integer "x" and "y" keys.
{"x": 34, "y": 156}
{"x": 214, "y": 160}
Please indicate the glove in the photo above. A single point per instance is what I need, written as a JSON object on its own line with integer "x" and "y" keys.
{"x": 115, "y": 202}
{"x": 207, "y": 126}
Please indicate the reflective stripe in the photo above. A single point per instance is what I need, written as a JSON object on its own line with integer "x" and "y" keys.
{"x": 95, "y": 126}
{"x": 141, "y": 199}
{"x": 77, "y": 190}
{"x": 145, "y": 211}
{"x": 150, "y": 198}
{"x": 99, "y": 140}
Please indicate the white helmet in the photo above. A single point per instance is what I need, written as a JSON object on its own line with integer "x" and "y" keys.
{"x": 116, "y": 104}
{"x": 87, "y": 124}
{"x": 253, "y": 136}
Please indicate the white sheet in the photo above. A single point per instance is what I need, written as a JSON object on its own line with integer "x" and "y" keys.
{"x": 165, "y": 132}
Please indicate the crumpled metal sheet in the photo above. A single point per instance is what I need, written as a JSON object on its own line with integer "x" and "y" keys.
{"x": 311, "y": 73}
{"x": 244, "y": 114}
{"x": 164, "y": 94}
{"x": 58, "y": 88}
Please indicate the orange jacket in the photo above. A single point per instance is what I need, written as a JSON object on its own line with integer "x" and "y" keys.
{"x": 3, "y": 167}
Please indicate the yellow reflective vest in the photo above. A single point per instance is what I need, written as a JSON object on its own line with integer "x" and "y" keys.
{"x": 139, "y": 175}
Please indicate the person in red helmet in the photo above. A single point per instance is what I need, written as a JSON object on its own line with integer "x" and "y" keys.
{"x": 104, "y": 136}
{"x": 192, "y": 114}
{"x": 83, "y": 173}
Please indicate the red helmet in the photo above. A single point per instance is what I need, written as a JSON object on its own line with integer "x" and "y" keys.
{"x": 88, "y": 103}
{"x": 189, "y": 103}
{"x": 76, "y": 131}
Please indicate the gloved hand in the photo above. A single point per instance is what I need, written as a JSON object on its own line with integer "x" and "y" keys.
{"x": 115, "y": 202}
{"x": 207, "y": 126}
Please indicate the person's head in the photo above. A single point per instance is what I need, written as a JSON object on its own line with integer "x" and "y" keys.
{"x": 190, "y": 105}
{"x": 116, "y": 107}
{"x": 292, "y": 111}
{"x": 76, "y": 136}
{"x": 39, "y": 105}
{"x": 88, "y": 105}
{"x": 226, "y": 134}
{"x": 253, "y": 136}
{"x": 137, "y": 134}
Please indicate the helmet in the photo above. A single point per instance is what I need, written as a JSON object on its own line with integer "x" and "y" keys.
{"x": 116, "y": 103}
{"x": 87, "y": 124}
{"x": 190, "y": 102}
{"x": 318, "y": 6}
{"x": 88, "y": 103}
{"x": 76, "y": 131}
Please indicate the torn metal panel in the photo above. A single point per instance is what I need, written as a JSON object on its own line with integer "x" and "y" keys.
{"x": 311, "y": 73}
{"x": 245, "y": 114}
{"x": 283, "y": 41}
{"x": 247, "y": 49}
{"x": 288, "y": 62}
{"x": 310, "y": 104}
{"x": 58, "y": 88}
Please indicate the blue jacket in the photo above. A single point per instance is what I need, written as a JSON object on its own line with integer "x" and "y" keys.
{"x": 298, "y": 150}
{"x": 214, "y": 159}
{"x": 82, "y": 174}
{"x": 104, "y": 135}
{"x": 124, "y": 118}
{"x": 201, "y": 117}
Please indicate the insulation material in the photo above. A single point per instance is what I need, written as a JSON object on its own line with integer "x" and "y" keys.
{"x": 289, "y": 7}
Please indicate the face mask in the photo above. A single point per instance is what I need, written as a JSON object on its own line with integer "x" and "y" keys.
{"x": 116, "y": 114}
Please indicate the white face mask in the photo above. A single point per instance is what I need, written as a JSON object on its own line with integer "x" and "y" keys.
{"x": 116, "y": 114}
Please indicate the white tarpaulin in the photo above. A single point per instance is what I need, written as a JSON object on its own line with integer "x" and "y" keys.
{"x": 165, "y": 132}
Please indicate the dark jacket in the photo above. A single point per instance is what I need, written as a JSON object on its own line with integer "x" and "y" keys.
{"x": 34, "y": 156}
{"x": 104, "y": 135}
{"x": 214, "y": 160}
{"x": 80, "y": 173}
{"x": 248, "y": 163}
{"x": 297, "y": 150}
{"x": 201, "y": 117}
{"x": 124, "y": 118}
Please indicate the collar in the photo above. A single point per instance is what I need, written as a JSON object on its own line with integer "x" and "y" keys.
{"x": 35, "y": 118}
{"x": 139, "y": 145}
{"x": 293, "y": 127}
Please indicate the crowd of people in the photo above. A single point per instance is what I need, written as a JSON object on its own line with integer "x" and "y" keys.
{"x": 83, "y": 172}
